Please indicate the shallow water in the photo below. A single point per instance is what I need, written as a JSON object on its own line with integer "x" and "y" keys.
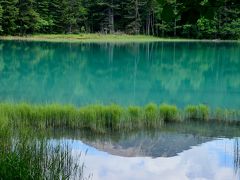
{"x": 132, "y": 73}
{"x": 164, "y": 157}
{"x": 214, "y": 159}
{"x": 188, "y": 151}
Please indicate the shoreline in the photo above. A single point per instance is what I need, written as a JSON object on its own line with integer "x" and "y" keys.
{"x": 101, "y": 38}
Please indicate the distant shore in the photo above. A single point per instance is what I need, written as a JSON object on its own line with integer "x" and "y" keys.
{"x": 118, "y": 38}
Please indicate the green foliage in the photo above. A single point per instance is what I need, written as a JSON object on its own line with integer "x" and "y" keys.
{"x": 199, "y": 112}
{"x": 151, "y": 115}
{"x": 192, "y": 19}
{"x": 206, "y": 28}
{"x": 27, "y": 158}
{"x": 28, "y": 19}
{"x": 169, "y": 113}
{"x": 9, "y": 16}
{"x": 100, "y": 118}
{"x": 191, "y": 112}
{"x": 203, "y": 112}
{"x": 135, "y": 115}
{"x": 71, "y": 14}
{"x": 1, "y": 13}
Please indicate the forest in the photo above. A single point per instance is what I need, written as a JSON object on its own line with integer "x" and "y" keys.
{"x": 203, "y": 19}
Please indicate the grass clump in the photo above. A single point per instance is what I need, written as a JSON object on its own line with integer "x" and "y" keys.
{"x": 227, "y": 115}
{"x": 151, "y": 113}
{"x": 113, "y": 114}
{"x": 135, "y": 116}
{"x": 99, "y": 118}
{"x": 198, "y": 112}
{"x": 169, "y": 113}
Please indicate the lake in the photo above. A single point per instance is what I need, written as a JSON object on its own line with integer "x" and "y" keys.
{"x": 186, "y": 151}
{"x": 127, "y": 74}
{"x": 178, "y": 73}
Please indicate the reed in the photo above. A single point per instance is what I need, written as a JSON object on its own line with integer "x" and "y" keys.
{"x": 169, "y": 113}
{"x": 199, "y": 112}
{"x": 101, "y": 118}
{"x": 25, "y": 158}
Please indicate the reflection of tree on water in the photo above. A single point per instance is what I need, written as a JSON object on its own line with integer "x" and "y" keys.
{"x": 133, "y": 73}
{"x": 237, "y": 157}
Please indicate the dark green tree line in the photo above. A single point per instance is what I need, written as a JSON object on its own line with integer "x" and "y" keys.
{"x": 165, "y": 18}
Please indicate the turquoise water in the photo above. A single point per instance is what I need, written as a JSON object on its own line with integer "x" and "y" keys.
{"x": 132, "y": 73}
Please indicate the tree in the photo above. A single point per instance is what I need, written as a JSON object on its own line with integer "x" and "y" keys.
{"x": 9, "y": 16}
{"x": 1, "y": 12}
{"x": 45, "y": 19}
{"x": 179, "y": 18}
{"x": 55, "y": 10}
{"x": 150, "y": 16}
{"x": 28, "y": 19}
{"x": 71, "y": 13}
{"x": 133, "y": 16}
{"x": 228, "y": 18}
{"x": 206, "y": 28}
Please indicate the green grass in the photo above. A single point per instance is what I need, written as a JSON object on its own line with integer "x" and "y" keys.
{"x": 101, "y": 118}
{"x": 169, "y": 113}
{"x": 38, "y": 160}
{"x": 197, "y": 112}
{"x": 121, "y": 38}
{"x": 23, "y": 156}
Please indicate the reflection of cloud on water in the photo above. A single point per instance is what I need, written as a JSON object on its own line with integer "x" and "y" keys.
{"x": 205, "y": 163}
{"x": 200, "y": 162}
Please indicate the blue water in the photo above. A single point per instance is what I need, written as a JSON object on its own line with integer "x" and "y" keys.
{"x": 208, "y": 158}
{"x": 129, "y": 73}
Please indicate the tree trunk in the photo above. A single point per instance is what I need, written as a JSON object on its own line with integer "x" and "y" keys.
{"x": 111, "y": 20}
{"x": 175, "y": 21}
{"x": 136, "y": 17}
{"x": 148, "y": 24}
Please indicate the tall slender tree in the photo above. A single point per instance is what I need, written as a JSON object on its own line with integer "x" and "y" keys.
{"x": 133, "y": 15}
{"x": 1, "y": 12}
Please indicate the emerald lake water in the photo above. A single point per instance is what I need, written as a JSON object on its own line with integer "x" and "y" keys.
{"x": 177, "y": 73}
{"x": 133, "y": 73}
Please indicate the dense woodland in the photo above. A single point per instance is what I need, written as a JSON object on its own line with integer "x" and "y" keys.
{"x": 216, "y": 19}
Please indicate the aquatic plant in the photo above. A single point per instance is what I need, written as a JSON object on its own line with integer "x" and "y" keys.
{"x": 101, "y": 118}
{"x": 26, "y": 158}
{"x": 151, "y": 115}
{"x": 169, "y": 113}
{"x": 198, "y": 112}
{"x": 135, "y": 116}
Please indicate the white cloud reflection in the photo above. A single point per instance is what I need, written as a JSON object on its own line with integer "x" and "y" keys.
{"x": 212, "y": 160}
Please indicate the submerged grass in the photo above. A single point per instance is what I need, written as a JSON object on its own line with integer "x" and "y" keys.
{"x": 100, "y": 118}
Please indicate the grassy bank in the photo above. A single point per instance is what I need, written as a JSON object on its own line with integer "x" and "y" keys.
{"x": 120, "y": 38}
{"x": 100, "y": 118}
